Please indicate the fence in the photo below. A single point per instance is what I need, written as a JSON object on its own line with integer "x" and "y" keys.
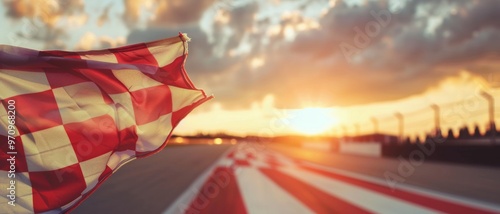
{"x": 451, "y": 120}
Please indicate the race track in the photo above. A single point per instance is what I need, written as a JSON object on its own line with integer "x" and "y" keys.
{"x": 252, "y": 178}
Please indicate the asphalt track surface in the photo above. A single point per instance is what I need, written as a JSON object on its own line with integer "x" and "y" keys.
{"x": 153, "y": 184}
{"x": 470, "y": 181}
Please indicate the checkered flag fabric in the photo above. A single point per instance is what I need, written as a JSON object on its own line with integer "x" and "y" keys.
{"x": 68, "y": 120}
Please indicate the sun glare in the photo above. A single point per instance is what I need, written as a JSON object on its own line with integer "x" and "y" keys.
{"x": 313, "y": 121}
{"x": 217, "y": 141}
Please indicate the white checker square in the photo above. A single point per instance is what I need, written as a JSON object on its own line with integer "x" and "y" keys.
{"x": 166, "y": 54}
{"x": 182, "y": 97}
{"x": 80, "y": 102}
{"x": 152, "y": 135}
{"x": 48, "y": 149}
{"x": 4, "y": 123}
{"x": 67, "y": 205}
{"x": 118, "y": 158}
{"x": 108, "y": 57}
{"x": 24, "y": 196}
{"x": 125, "y": 116}
{"x": 92, "y": 169}
{"x": 134, "y": 79}
{"x": 22, "y": 82}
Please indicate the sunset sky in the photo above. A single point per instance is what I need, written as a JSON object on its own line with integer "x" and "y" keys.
{"x": 274, "y": 66}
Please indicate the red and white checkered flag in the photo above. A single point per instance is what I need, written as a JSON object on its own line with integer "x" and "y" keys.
{"x": 68, "y": 120}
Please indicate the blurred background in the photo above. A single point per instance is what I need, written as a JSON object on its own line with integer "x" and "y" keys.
{"x": 317, "y": 79}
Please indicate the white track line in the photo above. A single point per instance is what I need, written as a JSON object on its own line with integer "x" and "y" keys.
{"x": 414, "y": 189}
{"x": 361, "y": 197}
{"x": 263, "y": 196}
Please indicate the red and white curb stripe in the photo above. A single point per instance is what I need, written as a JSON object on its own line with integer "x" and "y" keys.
{"x": 246, "y": 181}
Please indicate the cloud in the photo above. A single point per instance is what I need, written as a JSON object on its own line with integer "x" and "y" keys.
{"x": 177, "y": 12}
{"x": 87, "y": 42}
{"x": 91, "y": 41}
{"x": 159, "y": 13}
{"x": 401, "y": 60}
{"x": 47, "y": 12}
{"x": 104, "y": 17}
{"x": 241, "y": 20}
{"x": 470, "y": 17}
{"x": 133, "y": 10}
{"x": 246, "y": 55}
{"x": 108, "y": 42}
{"x": 42, "y": 19}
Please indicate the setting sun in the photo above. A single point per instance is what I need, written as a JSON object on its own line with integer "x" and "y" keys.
{"x": 312, "y": 121}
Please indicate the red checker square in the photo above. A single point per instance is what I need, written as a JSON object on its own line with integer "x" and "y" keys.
{"x": 66, "y": 62}
{"x": 64, "y": 54}
{"x": 107, "y": 171}
{"x": 128, "y": 139}
{"x": 178, "y": 115}
{"x": 135, "y": 54}
{"x": 58, "y": 77}
{"x": 151, "y": 103}
{"x": 107, "y": 99}
{"x": 20, "y": 160}
{"x": 104, "y": 79}
{"x": 172, "y": 74}
{"x": 93, "y": 137}
{"x": 61, "y": 186}
{"x": 36, "y": 112}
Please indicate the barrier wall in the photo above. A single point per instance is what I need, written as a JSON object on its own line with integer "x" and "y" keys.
{"x": 373, "y": 149}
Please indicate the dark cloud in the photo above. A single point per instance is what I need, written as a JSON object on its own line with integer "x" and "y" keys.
{"x": 241, "y": 22}
{"x": 469, "y": 18}
{"x": 340, "y": 25}
{"x": 405, "y": 57}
